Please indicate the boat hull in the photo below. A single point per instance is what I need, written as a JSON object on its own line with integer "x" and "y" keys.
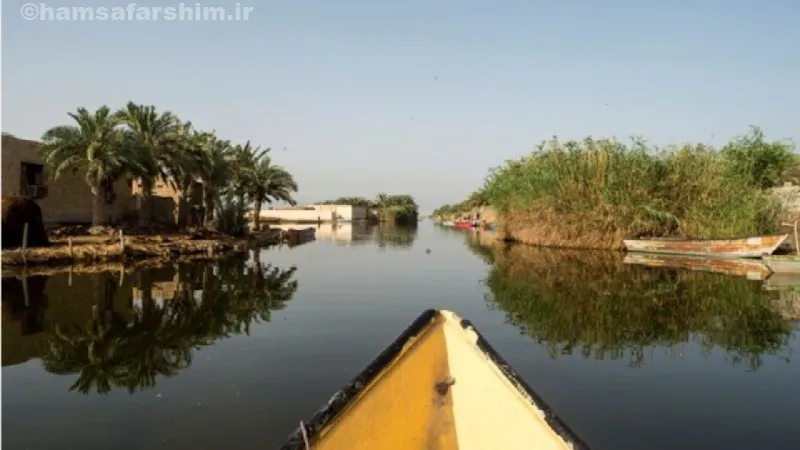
{"x": 438, "y": 385}
{"x": 295, "y": 237}
{"x": 467, "y": 225}
{"x": 753, "y": 247}
{"x": 783, "y": 263}
{"x": 751, "y": 269}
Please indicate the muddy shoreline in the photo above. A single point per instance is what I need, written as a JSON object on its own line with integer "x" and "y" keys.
{"x": 104, "y": 249}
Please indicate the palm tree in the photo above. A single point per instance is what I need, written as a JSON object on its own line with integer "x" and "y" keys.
{"x": 93, "y": 145}
{"x": 214, "y": 169}
{"x": 269, "y": 182}
{"x": 382, "y": 201}
{"x": 243, "y": 159}
{"x": 153, "y": 138}
{"x": 185, "y": 166}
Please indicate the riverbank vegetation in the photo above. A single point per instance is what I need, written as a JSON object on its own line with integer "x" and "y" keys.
{"x": 141, "y": 144}
{"x": 399, "y": 209}
{"x": 464, "y": 209}
{"x": 595, "y": 193}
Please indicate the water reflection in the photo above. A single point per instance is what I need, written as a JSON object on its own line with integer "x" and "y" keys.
{"x": 360, "y": 233}
{"x": 395, "y": 236}
{"x": 593, "y": 304}
{"x": 126, "y": 332}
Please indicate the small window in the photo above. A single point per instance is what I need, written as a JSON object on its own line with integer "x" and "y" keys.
{"x": 109, "y": 194}
{"x": 32, "y": 180}
{"x": 32, "y": 174}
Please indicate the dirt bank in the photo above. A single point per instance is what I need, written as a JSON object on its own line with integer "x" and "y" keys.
{"x": 76, "y": 245}
{"x": 95, "y": 249}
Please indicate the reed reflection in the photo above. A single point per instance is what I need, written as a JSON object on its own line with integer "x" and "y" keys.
{"x": 592, "y": 304}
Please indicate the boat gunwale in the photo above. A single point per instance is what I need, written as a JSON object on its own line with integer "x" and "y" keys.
{"x": 550, "y": 417}
{"x": 685, "y": 239}
{"x": 328, "y": 413}
{"x": 782, "y": 258}
{"x": 342, "y": 398}
{"x": 670, "y": 250}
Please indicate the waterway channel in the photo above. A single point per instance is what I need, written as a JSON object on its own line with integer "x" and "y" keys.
{"x": 235, "y": 354}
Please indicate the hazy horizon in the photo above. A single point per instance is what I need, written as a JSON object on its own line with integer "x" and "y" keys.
{"x": 357, "y": 98}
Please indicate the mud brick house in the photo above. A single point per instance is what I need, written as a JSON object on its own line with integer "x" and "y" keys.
{"x": 64, "y": 201}
{"x": 68, "y": 200}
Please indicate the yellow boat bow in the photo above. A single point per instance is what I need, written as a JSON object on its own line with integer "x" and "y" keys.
{"x": 439, "y": 385}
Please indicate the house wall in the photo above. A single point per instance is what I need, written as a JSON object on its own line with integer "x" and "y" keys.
{"x": 358, "y": 213}
{"x": 325, "y": 213}
{"x": 69, "y": 199}
{"x": 58, "y": 300}
{"x": 165, "y": 206}
{"x": 295, "y": 215}
{"x": 341, "y": 232}
{"x": 344, "y": 212}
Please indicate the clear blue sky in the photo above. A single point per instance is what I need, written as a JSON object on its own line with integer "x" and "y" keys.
{"x": 420, "y": 96}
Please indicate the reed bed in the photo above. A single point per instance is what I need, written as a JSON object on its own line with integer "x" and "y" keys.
{"x": 595, "y": 193}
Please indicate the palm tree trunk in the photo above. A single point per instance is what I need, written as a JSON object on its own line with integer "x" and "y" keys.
{"x": 258, "y": 268}
{"x": 97, "y": 206}
{"x": 208, "y": 204}
{"x": 257, "y": 213}
{"x": 184, "y": 212}
{"x": 145, "y": 284}
{"x": 144, "y": 206}
{"x": 186, "y": 208}
{"x": 240, "y": 210}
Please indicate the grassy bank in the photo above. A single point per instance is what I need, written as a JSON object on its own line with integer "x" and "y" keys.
{"x": 595, "y": 193}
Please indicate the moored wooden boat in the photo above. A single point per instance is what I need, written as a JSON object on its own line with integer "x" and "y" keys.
{"x": 752, "y": 269}
{"x": 783, "y": 263}
{"x": 438, "y": 385}
{"x": 296, "y": 237}
{"x": 752, "y": 247}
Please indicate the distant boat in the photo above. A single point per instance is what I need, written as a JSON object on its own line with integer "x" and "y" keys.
{"x": 448, "y": 223}
{"x": 438, "y": 385}
{"x": 465, "y": 224}
{"x": 753, "y": 247}
{"x": 752, "y": 269}
{"x": 783, "y": 263}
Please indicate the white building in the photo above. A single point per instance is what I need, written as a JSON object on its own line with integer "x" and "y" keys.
{"x": 316, "y": 213}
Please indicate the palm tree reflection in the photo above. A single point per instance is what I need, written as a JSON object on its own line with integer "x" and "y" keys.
{"x": 112, "y": 351}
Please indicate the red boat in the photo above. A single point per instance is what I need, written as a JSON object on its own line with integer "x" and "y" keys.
{"x": 465, "y": 224}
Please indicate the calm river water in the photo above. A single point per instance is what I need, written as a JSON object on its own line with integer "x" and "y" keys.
{"x": 236, "y": 354}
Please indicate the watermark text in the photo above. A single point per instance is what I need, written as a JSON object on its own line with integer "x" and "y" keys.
{"x": 134, "y": 12}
